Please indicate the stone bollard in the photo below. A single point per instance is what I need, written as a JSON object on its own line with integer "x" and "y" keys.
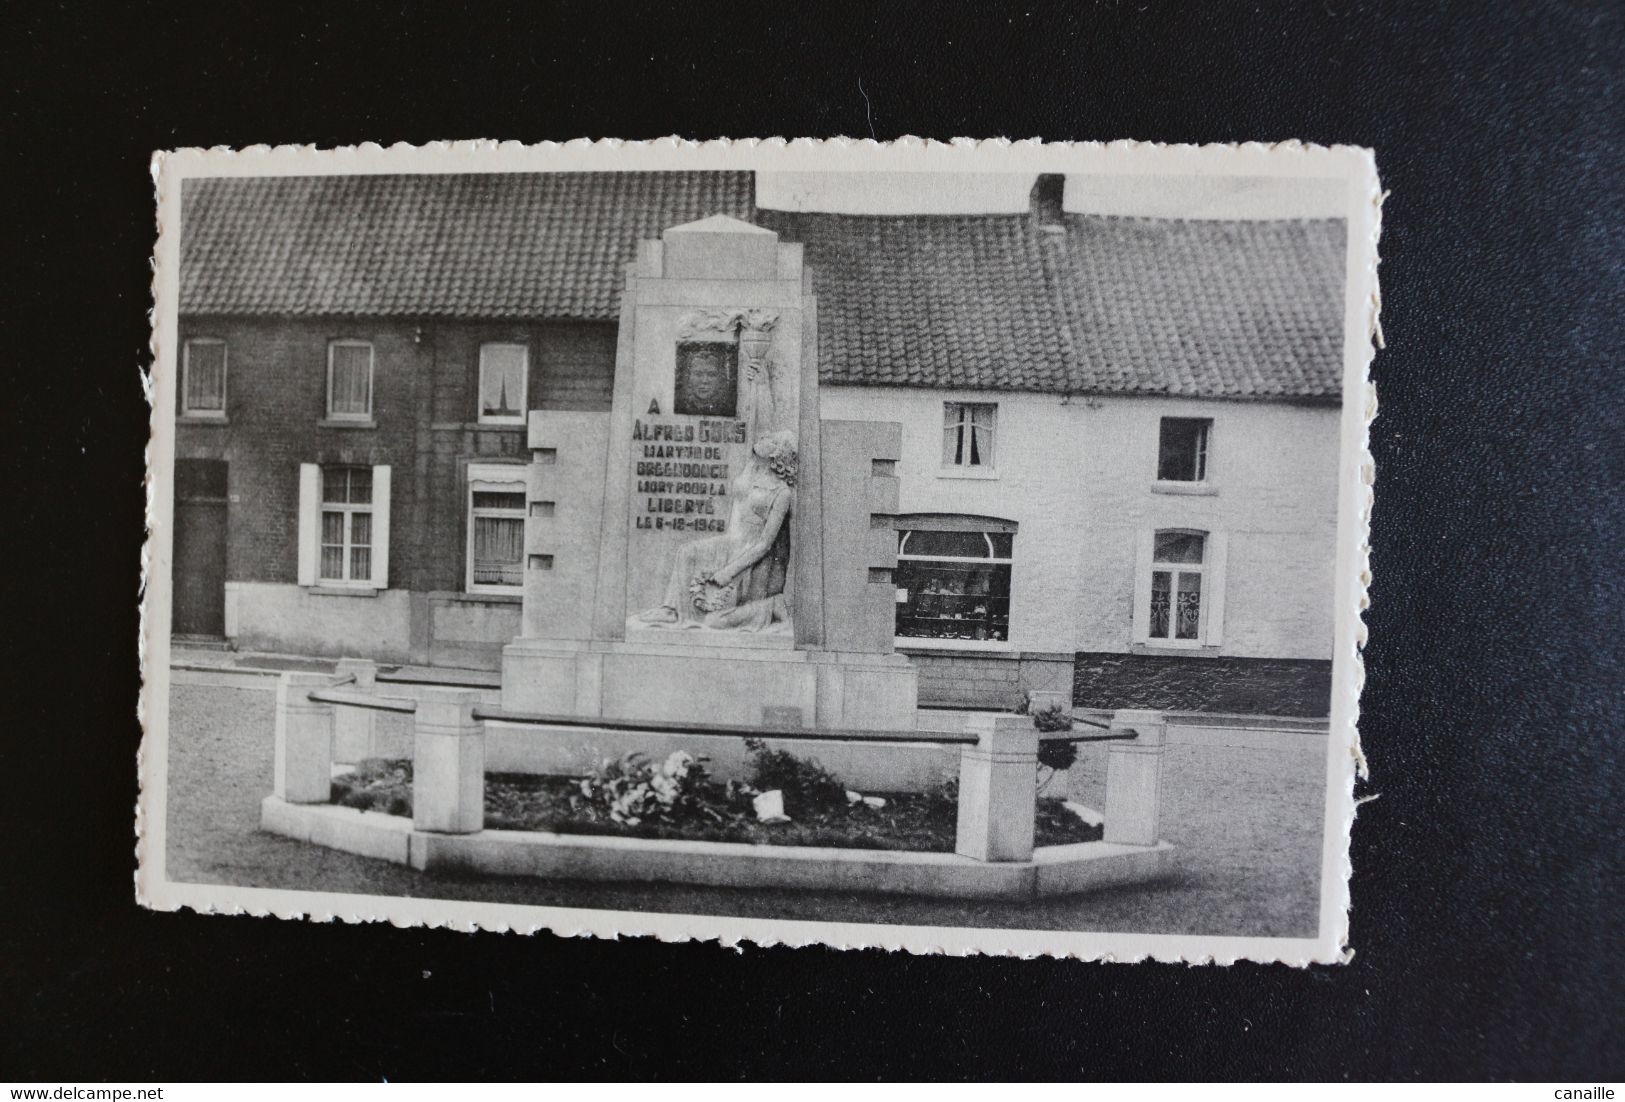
{"x": 998, "y": 790}
{"x": 1134, "y": 778}
{"x": 303, "y": 755}
{"x": 353, "y": 728}
{"x": 448, "y": 763}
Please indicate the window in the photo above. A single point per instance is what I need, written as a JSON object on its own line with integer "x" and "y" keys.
{"x": 953, "y": 583}
{"x": 344, "y": 526}
{"x": 1176, "y": 585}
{"x": 967, "y": 434}
{"x": 1180, "y": 595}
{"x": 349, "y": 381}
{"x": 504, "y": 369}
{"x": 496, "y": 528}
{"x": 1182, "y": 449}
{"x": 203, "y": 378}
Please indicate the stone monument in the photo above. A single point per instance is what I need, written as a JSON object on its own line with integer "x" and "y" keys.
{"x": 711, "y": 551}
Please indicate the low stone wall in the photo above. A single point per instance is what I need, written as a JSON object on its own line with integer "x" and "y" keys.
{"x": 321, "y": 720}
{"x": 468, "y": 631}
{"x": 1240, "y": 686}
{"x": 1053, "y": 870}
{"x": 290, "y": 619}
{"x": 989, "y": 682}
{"x": 388, "y": 625}
{"x": 1107, "y": 681}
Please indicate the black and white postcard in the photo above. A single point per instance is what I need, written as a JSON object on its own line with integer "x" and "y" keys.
{"x": 947, "y": 547}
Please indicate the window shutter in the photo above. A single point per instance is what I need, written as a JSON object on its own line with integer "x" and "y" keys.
{"x": 380, "y": 527}
{"x": 310, "y": 494}
{"x": 1142, "y": 587}
{"x": 1217, "y": 548}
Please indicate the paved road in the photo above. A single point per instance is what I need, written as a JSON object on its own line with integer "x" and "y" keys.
{"x": 1246, "y": 821}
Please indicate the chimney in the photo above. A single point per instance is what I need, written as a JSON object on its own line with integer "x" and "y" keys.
{"x": 1046, "y": 200}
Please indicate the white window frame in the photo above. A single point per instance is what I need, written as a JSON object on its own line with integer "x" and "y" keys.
{"x": 524, "y": 384}
{"x": 1212, "y": 568}
{"x": 505, "y": 478}
{"x": 186, "y": 375}
{"x": 956, "y": 416}
{"x": 311, "y": 508}
{"x": 372, "y": 381}
{"x": 1204, "y": 458}
{"x": 925, "y": 642}
{"x": 348, "y": 510}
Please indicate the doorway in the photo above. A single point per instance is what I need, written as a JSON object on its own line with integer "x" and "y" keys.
{"x": 199, "y": 578}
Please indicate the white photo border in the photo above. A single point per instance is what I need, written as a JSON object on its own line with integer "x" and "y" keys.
{"x": 1344, "y": 763}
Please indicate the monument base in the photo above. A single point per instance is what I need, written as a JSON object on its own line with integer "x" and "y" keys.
{"x": 688, "y": 681}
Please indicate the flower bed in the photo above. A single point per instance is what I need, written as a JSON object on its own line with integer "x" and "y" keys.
{"x": 678, "y": 799}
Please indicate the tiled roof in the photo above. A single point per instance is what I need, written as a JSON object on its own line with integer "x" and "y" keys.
{"x": 1099, "y": 304}
{"x": 931, "y": 300}
{"x": 1216, "y": 309}
{"x": 550, "y": 244}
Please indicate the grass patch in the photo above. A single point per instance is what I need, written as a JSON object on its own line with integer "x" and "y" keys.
{"x": 921, "y": 821}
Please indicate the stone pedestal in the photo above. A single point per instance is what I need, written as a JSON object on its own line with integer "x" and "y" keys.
{"x": 448, "y": 764}
{"x": 1134, "y": 778}
{"x": 302, "y": 772}
{"x": 740, "y": 682}
{"x": 712, "y": 460}
{"x": 866, "y": 690}
{"x": 998, "y": 790}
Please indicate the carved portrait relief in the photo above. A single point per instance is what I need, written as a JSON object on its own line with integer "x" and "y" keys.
{"x": 707, "y": 383}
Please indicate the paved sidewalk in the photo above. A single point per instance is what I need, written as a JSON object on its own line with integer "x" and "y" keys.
{"x": 216, "y": 660}
{"x": 1247, "y": 822}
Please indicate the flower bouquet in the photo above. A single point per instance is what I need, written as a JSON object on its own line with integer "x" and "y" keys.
{"x": 710, "y": 596}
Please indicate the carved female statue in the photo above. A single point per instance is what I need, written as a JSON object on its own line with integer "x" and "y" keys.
{"x": 736, "y": 580}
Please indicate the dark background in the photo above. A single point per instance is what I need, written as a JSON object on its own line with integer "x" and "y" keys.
{"x": 1487, "y": 884}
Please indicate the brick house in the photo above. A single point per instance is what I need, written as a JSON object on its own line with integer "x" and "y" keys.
{"x": 1120, "y": 435}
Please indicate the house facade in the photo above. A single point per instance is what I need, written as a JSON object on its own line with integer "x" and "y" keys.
{"x": 1120, "y": 436}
